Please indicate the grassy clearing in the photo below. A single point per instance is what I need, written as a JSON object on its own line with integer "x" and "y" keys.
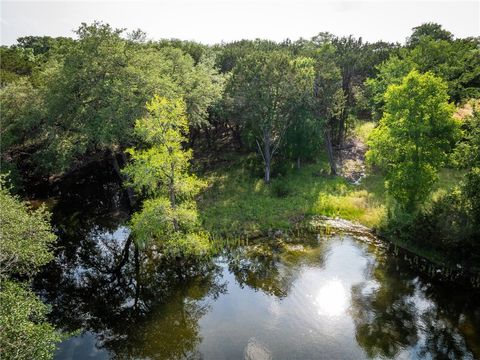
{"x": 238, "y": 203}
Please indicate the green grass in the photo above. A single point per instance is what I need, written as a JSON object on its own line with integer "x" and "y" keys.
{"x": 239, "y": 203}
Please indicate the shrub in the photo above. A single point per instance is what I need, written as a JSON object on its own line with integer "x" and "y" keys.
{"x": 26, "y": 238}
{"x": 24, "y": 330}
{"x": 449, "y": 224}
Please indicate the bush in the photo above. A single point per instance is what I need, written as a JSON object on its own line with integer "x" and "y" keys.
{"x": 24, "y": 330}
{"x": 26, "y": 238}
{"x": 450, "y": 224}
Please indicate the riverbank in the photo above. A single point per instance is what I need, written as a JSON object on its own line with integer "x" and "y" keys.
{"x": 237, "y": 203}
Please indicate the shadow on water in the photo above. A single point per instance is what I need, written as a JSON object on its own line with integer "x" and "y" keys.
{"x": 102, "y": 285}
{"x": 326, "y": 298}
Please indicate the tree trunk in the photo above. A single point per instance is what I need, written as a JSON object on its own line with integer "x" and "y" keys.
{"x": 267, "y": 156}
{"x": 267, "y": 173}
{"x": 331, "y": 159}
{"x": 341, "y": 130}
{"x": 130, "y": 193}
{"x": 298, "y": 163}
{"x": 237, "y": 135}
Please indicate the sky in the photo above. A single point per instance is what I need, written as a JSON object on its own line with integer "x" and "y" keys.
{"x": 213, "y": 21}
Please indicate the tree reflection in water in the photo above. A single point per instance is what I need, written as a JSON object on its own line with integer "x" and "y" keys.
{"x": 101, "y": 283}
{"x": 137, "y": 308}
{"x": 395, "y": 311}
{"x": 385, "y": 318}
{"x": 272, "y": 266}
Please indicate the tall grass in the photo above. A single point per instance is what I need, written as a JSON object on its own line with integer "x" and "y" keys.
{"x": 238, "y": 202}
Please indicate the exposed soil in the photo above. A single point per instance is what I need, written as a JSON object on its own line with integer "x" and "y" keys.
{"x": 351, "y": 160}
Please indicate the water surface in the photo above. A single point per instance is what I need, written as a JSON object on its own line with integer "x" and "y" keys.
{"x": 314, "y": 298}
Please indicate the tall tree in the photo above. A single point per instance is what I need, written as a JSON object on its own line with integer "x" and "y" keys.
{"x": 160, "y": 170}
{"x": 329, "y": 100}
{"x": 266, "y": 87}
{"x": 413, "y": 137}
{"x": 350, "y": 56}
{"x": 430, "y": 30}
{"x": 92, "y": 93}
{"x": 455, "y": 61}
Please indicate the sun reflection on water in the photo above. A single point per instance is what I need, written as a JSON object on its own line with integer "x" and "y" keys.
{"x": 331, "y": 299}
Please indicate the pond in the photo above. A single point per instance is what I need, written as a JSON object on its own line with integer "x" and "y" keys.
{"x": 325, "y": 297}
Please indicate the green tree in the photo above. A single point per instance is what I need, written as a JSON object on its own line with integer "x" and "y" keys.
{"x": 91, "y": 94}
{"x": 25, "y": 245}
{"x": 25, "y": 332}
{"x": 266, "y": 88}
{"x": 350, "y": 58}
{"x": 16, "y": 63}
{"x": 455, "y": 61}
{"x": 389, "y": 72}
{"x": 26, "y": 237}
{"x": 160, "y": 171}
{"x": 329, "y": 99}
{"x": 467, "y": 150}
{"x": 413, "y": 137}
{"x": 428, "y": 30}
{"x": 302, "y": 136}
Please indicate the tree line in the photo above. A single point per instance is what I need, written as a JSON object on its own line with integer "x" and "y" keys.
{"x": 65, "y": 101}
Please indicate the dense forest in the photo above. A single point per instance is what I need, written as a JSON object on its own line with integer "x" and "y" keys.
{"x": 239, "y": 140}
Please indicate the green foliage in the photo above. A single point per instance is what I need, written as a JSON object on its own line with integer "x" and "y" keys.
{"x": 432, "y": 49}
{"x": 25, "y": 245}
{"x": 25, "y": 333}
{"x": 390, "y": 72}
{"x": 267, "y": 88}
{"x": 467, "y": 150}
{"x": 168, "y": 218}
{"x": 86, "y": 94}
{"x": 26, "y": 237}
{"x": 164, "y": 129}
{"x": 21, "y": 108}
{"x": 413, "y": 137}
{"x": 431, "y": 31}
{"x": 16, "y": 63}
{"x": 456, "y": 62}
{"x": 280, "y": 188}
{"x": 447, "y": 228}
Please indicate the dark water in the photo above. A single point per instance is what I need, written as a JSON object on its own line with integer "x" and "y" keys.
{"x": 326, "y": 298}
